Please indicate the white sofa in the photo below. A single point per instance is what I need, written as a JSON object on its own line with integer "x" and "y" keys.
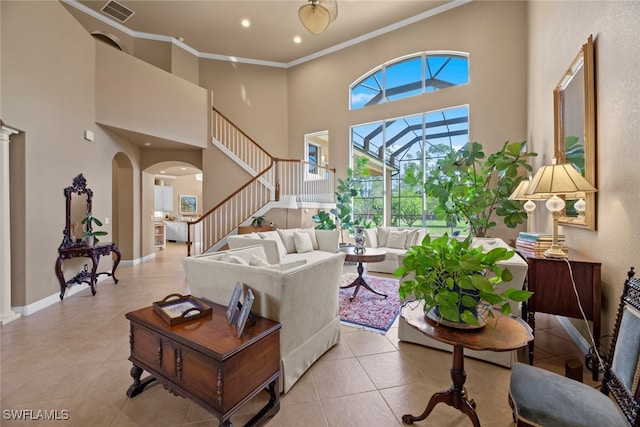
{"x": 518, "y": 268}
{"x": 395, "y": 241}
{"x": 287, "y": 245}
{"x": 301, "y": 295}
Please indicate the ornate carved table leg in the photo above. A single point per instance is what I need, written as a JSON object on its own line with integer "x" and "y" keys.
{"x": 138, "y": 386}
{"x": 359, "y": 281}
{"x": 60, "y": 276}
{"x": 531, "y": 319}
{"x": 270, "y": 409}
{"x": 456, "y": 396}
{"x": 95, "y": 259}
{"x": 116, "y": 251}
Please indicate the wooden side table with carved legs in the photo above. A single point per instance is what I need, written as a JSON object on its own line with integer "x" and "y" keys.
{"x": 370, "y": 255}
{"x": 86, "y": 276}
{"x": 504, "y": 333}
{"x": 203, "y": 360}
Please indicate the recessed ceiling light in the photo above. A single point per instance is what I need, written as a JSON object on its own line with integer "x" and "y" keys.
{"x": 163, "y": 171}
{"x": 147, "y": 144}
{"x": 183, "y": 169}
{"x": 246, "y": 23}
{"x": 297, "y": 39}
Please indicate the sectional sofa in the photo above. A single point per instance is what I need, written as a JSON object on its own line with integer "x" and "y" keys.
{"x": 300, "y": 294}
{"x": 395, "y": 241}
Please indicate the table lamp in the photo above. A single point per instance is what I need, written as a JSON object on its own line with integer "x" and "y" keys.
{"x": 520, "y": 194}
{"x": 550, "y": 182}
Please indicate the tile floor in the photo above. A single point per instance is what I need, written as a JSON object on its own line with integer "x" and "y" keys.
{"x": 72, "y": 356}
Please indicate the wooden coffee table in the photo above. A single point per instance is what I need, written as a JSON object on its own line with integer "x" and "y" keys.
{"x": 204, "y": 361}
{"x": 370, "y": 255}
{"x": 509, "y": 333}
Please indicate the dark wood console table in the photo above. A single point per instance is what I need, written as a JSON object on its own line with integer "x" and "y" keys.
{"x": 508, "y": 333}
{"x": 550, "y": 281}
{"x": 204, "y": 361}
{"x": 86, "y": 276}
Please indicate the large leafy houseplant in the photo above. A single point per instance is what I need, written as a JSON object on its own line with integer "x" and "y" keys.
{"x": 457, "y": 279}
{"x": 346, "y": 190}
{"x": 471, "y": 187}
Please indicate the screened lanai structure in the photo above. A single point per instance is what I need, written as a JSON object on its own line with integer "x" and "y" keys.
{"x": 396, "y": 145}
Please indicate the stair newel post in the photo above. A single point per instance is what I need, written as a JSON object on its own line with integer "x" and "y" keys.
{"x": 188, "y": 238}
{"x": 277, "y": 179}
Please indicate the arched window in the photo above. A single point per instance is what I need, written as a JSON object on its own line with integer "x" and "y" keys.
{"x": 409, "y": 76}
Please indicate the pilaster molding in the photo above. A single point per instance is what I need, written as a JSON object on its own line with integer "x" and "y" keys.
{"x": 6, "y": 314}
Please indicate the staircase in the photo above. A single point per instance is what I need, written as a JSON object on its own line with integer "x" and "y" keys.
{"x": 271, "y": 179}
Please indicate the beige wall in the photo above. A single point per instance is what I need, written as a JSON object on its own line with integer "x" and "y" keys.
{"x": 135, "y": 96}
{"x": 48, "y": 80}
{"x": 557, "y": 31}
{"x": 255, "y": 99}
{"x": 184, "y": 64}
{"x": 494, "y": 35}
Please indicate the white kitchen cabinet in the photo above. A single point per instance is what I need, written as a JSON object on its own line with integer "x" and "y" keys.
{"x": 176, "y": 231}
{"x": 163, "y": 198}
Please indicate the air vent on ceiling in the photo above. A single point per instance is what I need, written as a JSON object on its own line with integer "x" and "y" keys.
{"x": 117, "y": 11}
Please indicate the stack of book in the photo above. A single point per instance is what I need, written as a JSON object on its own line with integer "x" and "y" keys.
{"x": 534, "y": 244}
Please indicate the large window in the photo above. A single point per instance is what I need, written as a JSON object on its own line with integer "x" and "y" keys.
{"x": 395, "y": 146}
{"x": 409, "y": 76}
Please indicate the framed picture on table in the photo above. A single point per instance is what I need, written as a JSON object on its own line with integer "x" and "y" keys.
{"x": 232, "y": 309}
{"x": 244, "y": 313}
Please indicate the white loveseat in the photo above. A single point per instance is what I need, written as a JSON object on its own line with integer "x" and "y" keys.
{"x": 302, "y": 296}
{"x": 518, "y": 268}
{"x": 287, "y": 245}
{"x": 395, "y": 241}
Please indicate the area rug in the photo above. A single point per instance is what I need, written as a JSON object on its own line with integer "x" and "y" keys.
{"x": 368, "y": 310}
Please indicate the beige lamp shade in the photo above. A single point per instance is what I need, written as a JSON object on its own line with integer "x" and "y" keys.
{"x": 315, "y": 17}
{"x": 520, "y": 192}
{"x": 558, "y": 179}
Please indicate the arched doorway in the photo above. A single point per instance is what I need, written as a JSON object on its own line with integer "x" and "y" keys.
{"x": 122, "y": 201}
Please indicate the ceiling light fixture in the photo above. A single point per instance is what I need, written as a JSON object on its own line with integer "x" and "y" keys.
{"x": 316, "y": 15}
{"x": 246, "y": 23}
{"x": 297, "y": 39}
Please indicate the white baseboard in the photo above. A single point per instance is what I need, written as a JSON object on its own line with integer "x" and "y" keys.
{"x": 26, "y": 310}
{"x": 576, "y": 336}
{"x": 131, "y": 263}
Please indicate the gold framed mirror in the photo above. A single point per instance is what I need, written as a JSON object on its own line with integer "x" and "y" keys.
{"x": 575, "y": 132}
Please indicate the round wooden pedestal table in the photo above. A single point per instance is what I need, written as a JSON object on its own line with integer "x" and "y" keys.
{"x": 502, "y": 333}
{"x": 370, "y": 255}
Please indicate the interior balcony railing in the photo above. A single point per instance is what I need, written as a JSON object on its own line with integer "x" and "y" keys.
{"x": 272, "y": 178}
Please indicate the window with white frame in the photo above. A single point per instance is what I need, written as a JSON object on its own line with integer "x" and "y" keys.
{"x": 409, "y": 76}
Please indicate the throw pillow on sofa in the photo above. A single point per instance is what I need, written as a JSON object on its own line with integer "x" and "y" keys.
{"x": 273, "y": 235}
{"x": 383, "y": 235}
{"x": 302, "y": 242}
{"x": 397, "y": 239}
{"x": 233, "y": 259}
{"x": 286, "y": 236}
{"x": 256, "y": 261}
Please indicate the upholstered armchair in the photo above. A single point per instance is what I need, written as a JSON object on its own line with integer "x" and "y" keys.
{"x": 542, "y": 398}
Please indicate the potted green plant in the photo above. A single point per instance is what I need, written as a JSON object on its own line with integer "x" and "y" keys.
{"x": 471, "y": 189}
{"x": 347, "y": 189}
{"x": 257, "y": 221}
{"x": 90, "y": 236}
{"x": 457, "y": 281}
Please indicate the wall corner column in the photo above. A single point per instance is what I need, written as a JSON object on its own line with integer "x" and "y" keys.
{"x": 6, "y": 314}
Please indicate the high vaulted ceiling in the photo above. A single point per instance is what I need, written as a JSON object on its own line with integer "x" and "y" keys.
{"x": 213, "y": 27}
